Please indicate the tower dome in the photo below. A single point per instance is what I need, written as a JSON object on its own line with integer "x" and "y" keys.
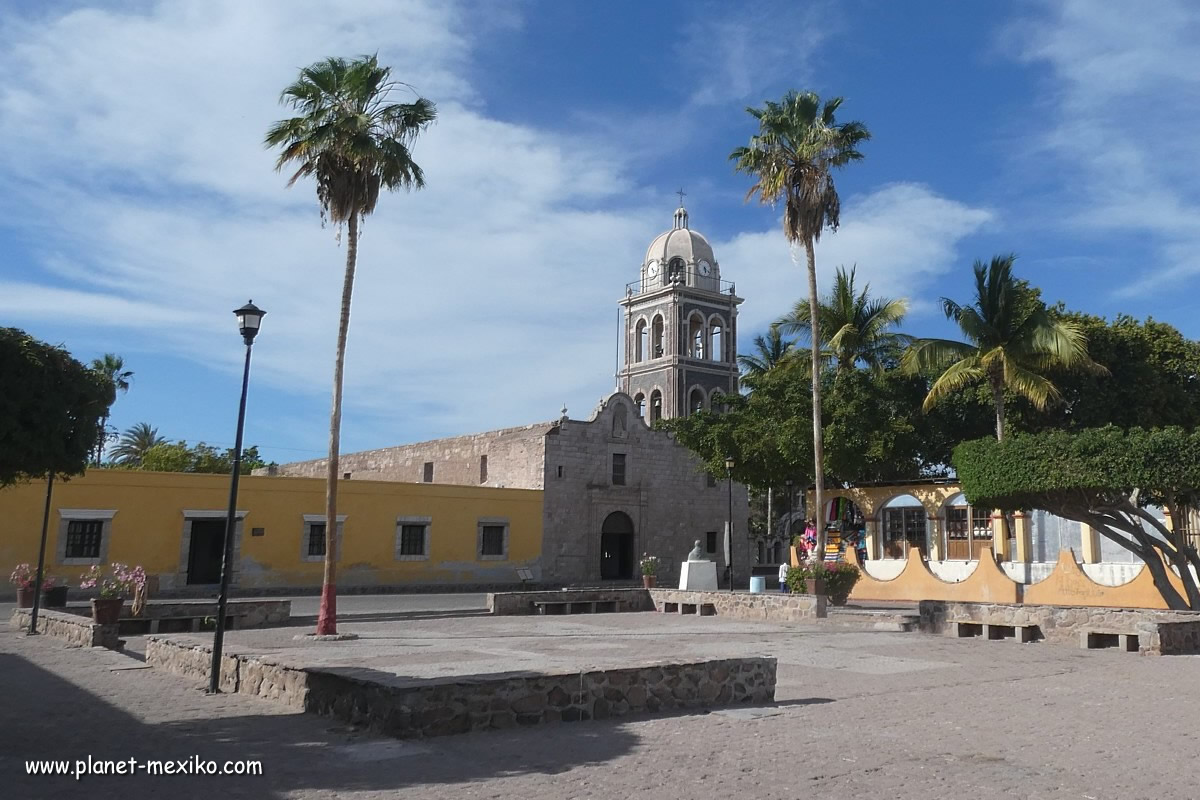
{"x": 680, "y": 243}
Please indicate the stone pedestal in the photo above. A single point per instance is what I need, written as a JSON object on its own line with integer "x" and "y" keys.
{"x": 698, "y": 576}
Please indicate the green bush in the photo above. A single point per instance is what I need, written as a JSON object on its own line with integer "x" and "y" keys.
{"x": 1030, "y": 470}
{"x": 839, "y": 577}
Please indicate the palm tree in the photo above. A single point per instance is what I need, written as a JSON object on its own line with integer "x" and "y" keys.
{"x": 112, "y": 366}
{"x": 769, "y": 352}
{"x": 1011, "y": 340}
{"x": 854, "y": 328}
{"x": 354, "y": 143}
{"x": 792, "y": 157}
{"x": 134, "y": 443}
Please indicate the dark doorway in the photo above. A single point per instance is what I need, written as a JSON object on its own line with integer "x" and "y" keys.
{"x": 204, "y": 555}
{"x": 616, "y": 547}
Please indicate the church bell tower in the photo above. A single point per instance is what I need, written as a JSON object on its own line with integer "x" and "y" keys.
{"x": 680, "y": 327}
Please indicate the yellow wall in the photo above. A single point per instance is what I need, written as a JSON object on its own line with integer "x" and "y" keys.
{"x": 148, "y": 526}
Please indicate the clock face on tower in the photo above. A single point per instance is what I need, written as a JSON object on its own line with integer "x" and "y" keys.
{"x": 652, "y": 269}
{"x": 705, "y": 268}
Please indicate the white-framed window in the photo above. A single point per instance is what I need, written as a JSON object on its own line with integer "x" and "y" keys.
{"x": 312, "y": 540}
{"x": 83, "y": 536}
{"x": 412, "y": 538}
{"x": 492, "y": 542}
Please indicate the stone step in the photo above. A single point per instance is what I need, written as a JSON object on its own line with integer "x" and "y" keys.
{"x": 874, "y": 620}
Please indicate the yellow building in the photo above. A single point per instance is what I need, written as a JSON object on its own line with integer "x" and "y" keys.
{"x": 172, "y": 524}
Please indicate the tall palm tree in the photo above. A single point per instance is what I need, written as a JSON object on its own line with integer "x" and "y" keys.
{"x": 353, "y": 142}
{"x": 1011, "y": 340}
{"x": 111, "y": 366}
{"x": 853, "y": 327}
{"x": 134, "y": 443}
{"x": 792, "y": 157}
{"x": 769, "y": 352}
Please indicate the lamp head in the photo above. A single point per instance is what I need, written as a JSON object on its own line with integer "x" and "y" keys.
{"x": 249, "y": 319}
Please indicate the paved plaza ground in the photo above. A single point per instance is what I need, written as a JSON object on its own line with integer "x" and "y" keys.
{"x": 859, "y": 713}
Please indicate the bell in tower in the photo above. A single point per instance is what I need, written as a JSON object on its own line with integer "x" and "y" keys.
{"x": 680, "y": 327}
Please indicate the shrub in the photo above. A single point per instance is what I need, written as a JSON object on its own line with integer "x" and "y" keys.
{"x": 839, "y": 577}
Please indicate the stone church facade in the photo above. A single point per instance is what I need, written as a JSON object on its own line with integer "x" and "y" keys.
{"x": 614, "y": 488}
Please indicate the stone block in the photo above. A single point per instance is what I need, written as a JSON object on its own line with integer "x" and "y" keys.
{"x": 698, "y": 576}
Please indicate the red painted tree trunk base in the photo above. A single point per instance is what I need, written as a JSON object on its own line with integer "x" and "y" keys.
{"x": 327, "y": 618}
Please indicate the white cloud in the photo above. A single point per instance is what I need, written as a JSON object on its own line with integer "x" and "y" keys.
{"x": 135, "y": 139}
{"x": 901, "y": 237}
{"x": 133, "y": 161}
{"x": 1118, "y": 117}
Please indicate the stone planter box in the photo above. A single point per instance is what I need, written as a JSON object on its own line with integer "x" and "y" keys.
{"x": 415, "y": 708}
{"x": 71, "y": 628}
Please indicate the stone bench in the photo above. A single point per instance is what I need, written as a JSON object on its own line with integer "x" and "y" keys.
{"x": 1144, "y": 630}
{"x": 1100, "y": 638}
{"x": 570, "y": 601}
{"x": 547, "y": 607}
{"x": 992, "y": 632}
{"x": 181, "y": 616}
{"x": 702, "y": 609}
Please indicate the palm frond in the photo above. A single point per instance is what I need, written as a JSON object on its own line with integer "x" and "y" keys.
{"x": 1028, "y": 384}
{"x": 926, "y": 355}
{"x": 959, "y": 375}
{"x": 348, "y": 136}
{"x": 791, "y": 156}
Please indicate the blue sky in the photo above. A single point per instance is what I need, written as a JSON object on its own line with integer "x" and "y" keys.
{"x": 139, "y": 207}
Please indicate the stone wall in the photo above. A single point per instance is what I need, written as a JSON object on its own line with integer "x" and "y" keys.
{"x": 514, "y": 460}
{"x": 666, "y": 495}
{"x": 419, "y": 708}
{"x": 1158, "y": 632}
{"x": 743, "y": 605}
{"x": 510, "y": 603}
{"x": 75, "y": 630}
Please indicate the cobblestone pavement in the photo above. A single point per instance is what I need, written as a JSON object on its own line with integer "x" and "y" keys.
{"x": 859, "y": 714}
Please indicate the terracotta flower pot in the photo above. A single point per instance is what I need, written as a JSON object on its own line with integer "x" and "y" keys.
{"x": 25, "y": 597}
{"x": 107, "y": 610}
{"x": 815, "y": 585}
{"x": 648, "y": 581}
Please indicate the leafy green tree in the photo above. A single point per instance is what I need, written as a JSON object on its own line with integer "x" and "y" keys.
{"x": 876, "y": 431}
{"x": 111, "y": 366}
{"x": 767, "y": 433}
{"x": 50, "y": 409}
{"x": 135, "y": 443}
{"x": 203, "y": 458}
{"x": 1152, "y": 379}
{"x": 792, "y": 158}
{"x": 769, "y": 352}
{"x": 353, "y": 142}
{"x": 1011, "y": 342}
{"x": 1102, "y": 477}
{"x": 854, "y": 328}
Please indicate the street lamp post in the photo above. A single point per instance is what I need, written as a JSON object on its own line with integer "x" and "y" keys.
{"x": 249, "y": 319}
{"x": 729, "y": 520}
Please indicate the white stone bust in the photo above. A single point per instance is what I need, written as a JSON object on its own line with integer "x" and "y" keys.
{"x": 697, "y": 554}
